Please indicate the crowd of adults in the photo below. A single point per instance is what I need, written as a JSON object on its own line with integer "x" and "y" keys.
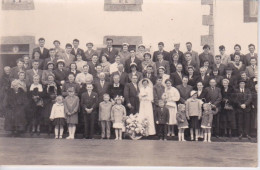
{"x": 228, "y": 82}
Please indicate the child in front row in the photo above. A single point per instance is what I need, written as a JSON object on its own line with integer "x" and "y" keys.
{"x": 118, "y": 113}
{"x": 181, "y": 121}
{"x": 105, "y": 116}
{"x": 206, "y": 122}
{"x": 162, "y": 119}
{"x": 58, "y": 117}
{"x": 193, "y": 113}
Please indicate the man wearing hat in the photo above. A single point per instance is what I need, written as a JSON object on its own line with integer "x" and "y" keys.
{"x": 60, "y": 73}
{"x": 89, "y": 52}
{"x": 161, "y": 51}
{"x": 124, "y": 53}
{"x": 243, "y": 100}
{"x": 133, "y": 59}
{"x": 141, "y": 51}
{"x": 76, "y": 50}
{"x": 176, "y": 50}
{"x": 109, "y": 50}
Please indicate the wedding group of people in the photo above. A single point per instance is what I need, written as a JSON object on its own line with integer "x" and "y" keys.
{"x": 67, "y": 88}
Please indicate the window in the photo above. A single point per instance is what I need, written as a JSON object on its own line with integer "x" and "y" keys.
{"x": 250, "y": 10}
{"x": 123, "y": 5}
{"x": 17, "y": 5}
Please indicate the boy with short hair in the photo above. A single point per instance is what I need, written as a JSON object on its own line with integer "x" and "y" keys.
{"x": 162, "y": 120}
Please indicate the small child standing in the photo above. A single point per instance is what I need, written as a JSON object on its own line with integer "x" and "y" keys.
{"x": 58, "y": 117}
{"x": 118, "y": 114}
{"x": 71, "y": 105}
{"x": 105, "y": 116}
{"x": 206, "y": 122}
{"x": 181, "y": 121}
{"x": 193, "y": 113}
{"x": 162, "y": 120}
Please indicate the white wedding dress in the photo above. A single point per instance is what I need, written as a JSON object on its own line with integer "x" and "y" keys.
{"x": 146, "y": 108}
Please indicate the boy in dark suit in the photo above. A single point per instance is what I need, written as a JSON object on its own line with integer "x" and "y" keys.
{"x": 243, "y": 101}
{"x": 131, "y": 92}
{"x": 44, "y": 52}
{"x": 89, "y": 103}
{"x": 162, "y": 120}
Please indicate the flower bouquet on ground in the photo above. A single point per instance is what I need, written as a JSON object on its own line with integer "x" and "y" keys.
{"x": 136, "y": 127}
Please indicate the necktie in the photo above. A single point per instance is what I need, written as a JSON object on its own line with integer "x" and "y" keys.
{"x": 109, "y": 49}
{"x": 102, "y": 84}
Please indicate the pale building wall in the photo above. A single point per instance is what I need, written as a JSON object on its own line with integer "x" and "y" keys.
{"x": 169, "y": 21}
{"x": 230, "y": 28}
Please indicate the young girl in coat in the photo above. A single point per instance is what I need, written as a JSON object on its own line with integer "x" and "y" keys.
{"x": 71, "y": 105}
{"x": 58, "y": 117}
{"x": 193, "y": 113}
{"x": 118, "y": 113}
{"x": 206, "y": 122}
{"x": 36, "y": 93}
{"x": 181, "y": 121}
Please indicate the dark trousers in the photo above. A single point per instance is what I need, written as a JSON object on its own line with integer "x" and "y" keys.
{"x": 216, "y": 124}
{"x": 89, "y": 121}
{"x": 162, "y": 131}
{"x": 243, "y": 121}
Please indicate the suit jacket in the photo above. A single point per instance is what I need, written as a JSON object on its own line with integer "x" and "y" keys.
{"x": 123, "y": 77}
{"x": 203, "y": 94}
{"x": 221, "y": 69}
{"x": 89, "y": 101}
{"x": 138, "y": 74}
{"x": 173, "y": 67}
{"x": 165, "y": 64}
{"x": 181, "y": 56}
{"x": 236, "y": 71}
{"x": 205, "y": 82}
{"x": 92, "y": 68}
{"x": 162, "y": 115}
{"x": 184, "y": 92}
{"x": 114, "y": 91}
{"x": 136, "y": 61}
{"x": 67, "y": 60}
{"x": 232, "y": 80}
{"x": 80, "y": 52}
{"x": 131, "y": 96}
{"x": 186, "y": 65}
{"x": 248, "y": 58}
{"x": 176, "y": 79}
{"x": 111, "y": 55}
{"x": 43, "y": 55}
{"x": 88, "y": 55}
{"x": 203, "y": 57}
{"x": 214, "y": 96}
{"x": 193, "y": 80}
{"x": 195, "y": 58}
{"x": 243, "y": 98}
{"x": 157, "y": 93}
{"x": 250, "y": 72}
{"x": 165, "y": 55}
{"x": 152, "y": 78}
{"x": 101, "y": 91}
{"x": 29, "y": 76}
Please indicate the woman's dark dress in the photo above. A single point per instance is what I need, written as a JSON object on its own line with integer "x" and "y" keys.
{"x": 15, "y": 118}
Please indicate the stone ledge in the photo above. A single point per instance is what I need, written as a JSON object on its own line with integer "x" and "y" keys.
{"x": 207, "y": 39}
{"x": 207, "y": 2}
{"x": 207, "y": 20}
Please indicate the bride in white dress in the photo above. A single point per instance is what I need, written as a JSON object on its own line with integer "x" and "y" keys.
{"x": 146, "y": 99}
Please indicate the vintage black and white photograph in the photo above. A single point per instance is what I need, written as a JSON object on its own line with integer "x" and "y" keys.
{"x": 169, "y": 83}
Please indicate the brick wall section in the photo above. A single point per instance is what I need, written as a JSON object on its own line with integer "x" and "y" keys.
{"x": 208, "y": 20}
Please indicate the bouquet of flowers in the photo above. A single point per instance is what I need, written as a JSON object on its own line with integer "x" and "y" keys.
{"x": 136, "y": 127}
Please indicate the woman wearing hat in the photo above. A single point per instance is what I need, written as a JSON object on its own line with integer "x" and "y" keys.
{"x": 124, "y": 53}
{"x": 134, "y": 71}
{"x": 227, "y": 114}
{"x": 60, "y": 73}
{"x": 45, "y": 73}
{"x": 141, "y": 51}
{"x": 161, "y": 73}
{"x": 148, "y": 61}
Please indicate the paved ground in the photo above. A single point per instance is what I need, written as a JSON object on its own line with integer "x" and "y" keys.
{"x": 40, "y": 151}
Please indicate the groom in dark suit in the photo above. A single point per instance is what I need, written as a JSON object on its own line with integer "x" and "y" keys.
{"x": 131, "y": 92}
